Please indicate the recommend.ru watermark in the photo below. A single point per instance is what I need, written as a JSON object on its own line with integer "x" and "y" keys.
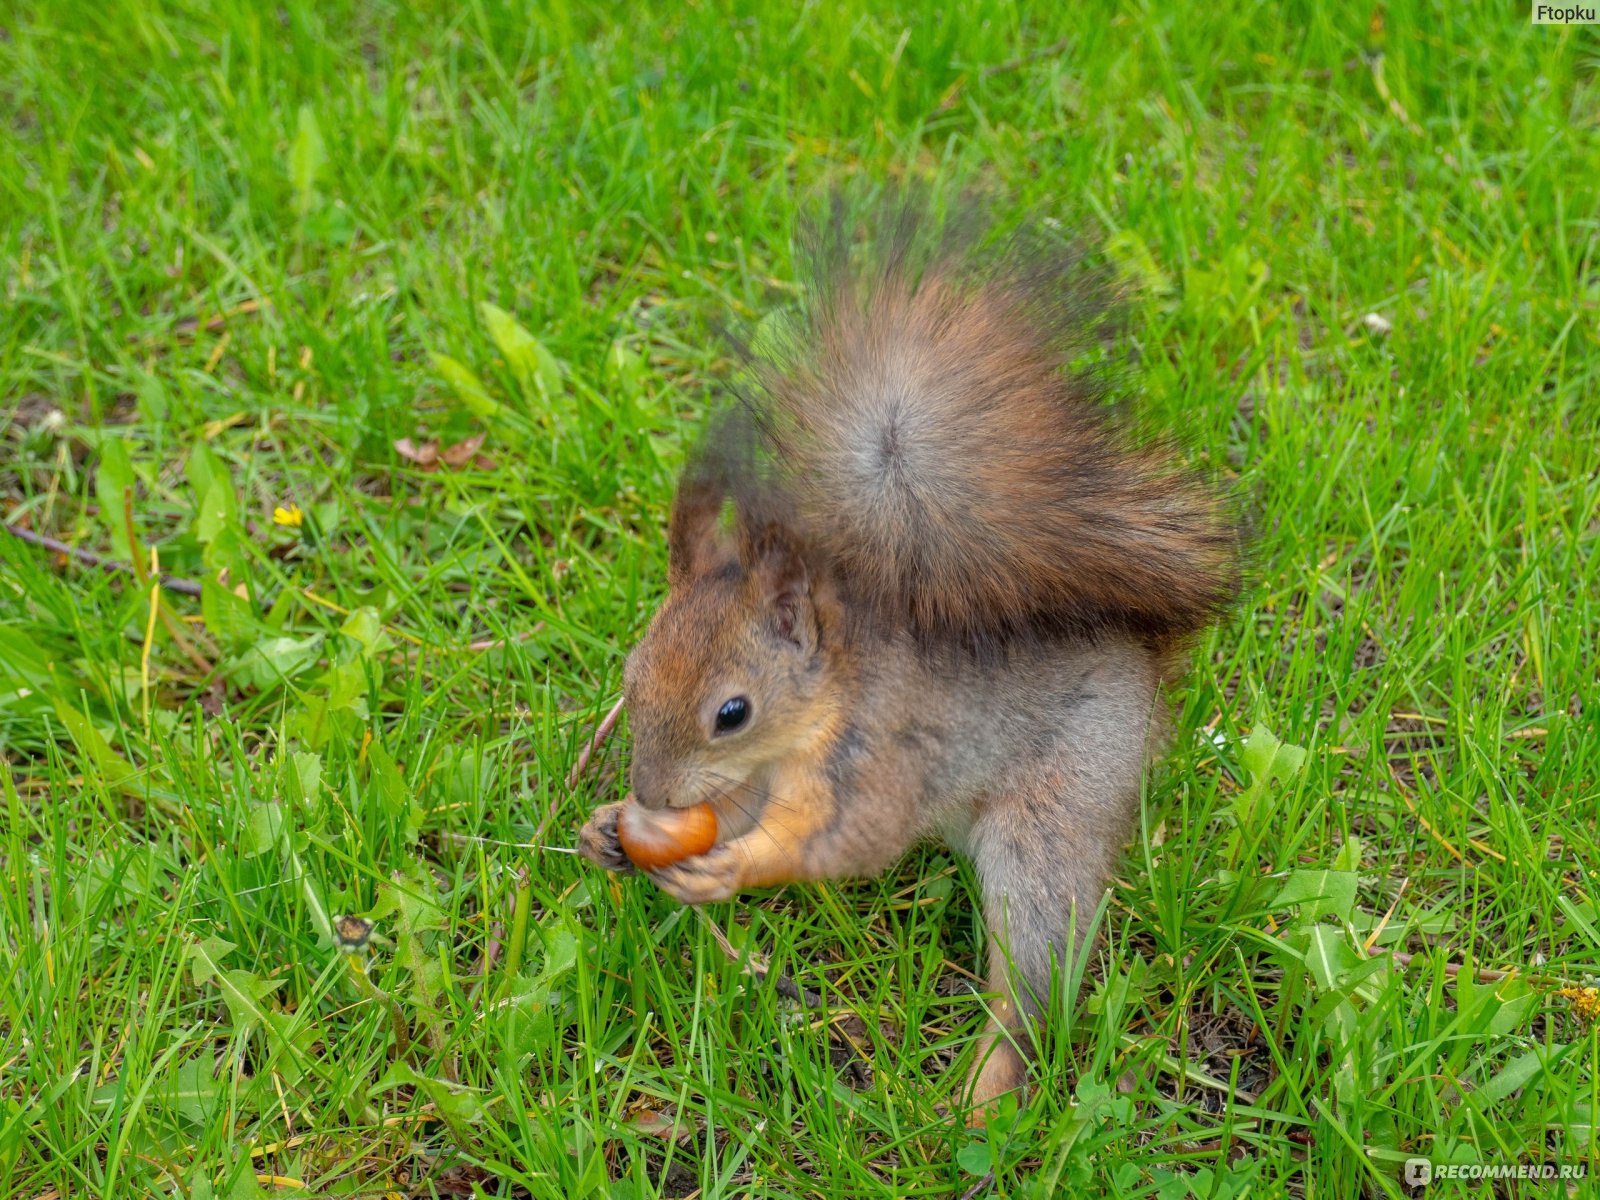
{"x": 1420, "y": 1172}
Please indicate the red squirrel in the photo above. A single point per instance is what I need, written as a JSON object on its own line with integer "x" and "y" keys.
{"x": 922, "y": 585}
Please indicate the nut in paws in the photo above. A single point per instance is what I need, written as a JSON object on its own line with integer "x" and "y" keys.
{"x": 703, "y": 878}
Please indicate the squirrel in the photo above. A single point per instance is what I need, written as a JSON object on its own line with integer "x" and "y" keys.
{"x": 922, "y": 584}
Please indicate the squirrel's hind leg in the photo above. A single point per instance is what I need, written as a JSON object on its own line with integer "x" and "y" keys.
{"x": 1044, "y": 848}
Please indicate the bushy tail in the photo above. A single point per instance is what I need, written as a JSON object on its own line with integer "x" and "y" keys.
{"x": 924, "y": 431}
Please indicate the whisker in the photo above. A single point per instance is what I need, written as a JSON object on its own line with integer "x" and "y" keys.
{"x": 733, "y": 786}
{"x": 710, "y": 791}
{"x": 773, "y": 798}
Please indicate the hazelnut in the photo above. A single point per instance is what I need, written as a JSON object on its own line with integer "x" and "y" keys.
{"x": 659, "y": 837}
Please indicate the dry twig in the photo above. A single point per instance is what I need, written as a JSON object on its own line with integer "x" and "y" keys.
{"x": 601, "y": 733}
{"x": 1022, "y": 60}
{"x": 172, "y": 583}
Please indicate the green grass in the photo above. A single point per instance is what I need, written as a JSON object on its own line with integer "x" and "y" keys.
{"x": 236, "y": 236}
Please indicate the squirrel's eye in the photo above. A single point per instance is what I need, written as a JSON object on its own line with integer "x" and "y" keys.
{"x": 732, "y": 714}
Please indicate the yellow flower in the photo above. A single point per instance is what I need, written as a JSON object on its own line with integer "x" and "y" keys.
{"x": 288, "y": 516}
{"x": 1585, "y": 1002}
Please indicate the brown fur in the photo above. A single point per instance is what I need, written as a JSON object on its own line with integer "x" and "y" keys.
{"x": 919, "y": 424}
{"x": 919, "y": 484}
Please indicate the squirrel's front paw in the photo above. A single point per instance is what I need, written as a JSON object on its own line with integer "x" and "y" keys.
{"x": 701, "y": 878}
{"x": 599, "y": 843}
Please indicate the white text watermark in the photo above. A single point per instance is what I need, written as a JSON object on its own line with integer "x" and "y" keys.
{"x": 1420, "y": 1172}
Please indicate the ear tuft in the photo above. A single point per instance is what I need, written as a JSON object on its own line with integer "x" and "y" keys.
{"x": 694, "y": 535}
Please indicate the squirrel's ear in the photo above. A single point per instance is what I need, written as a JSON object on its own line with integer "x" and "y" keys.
{"x": 782, "y": 575}
{"x": 694, "y": 536}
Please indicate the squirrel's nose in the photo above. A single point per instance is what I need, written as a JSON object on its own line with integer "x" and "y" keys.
{"x": 652, "y": 786}
{"x": 649, "y": 796}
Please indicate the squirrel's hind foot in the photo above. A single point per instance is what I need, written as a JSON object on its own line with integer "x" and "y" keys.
{"x": 999, "y": 1070}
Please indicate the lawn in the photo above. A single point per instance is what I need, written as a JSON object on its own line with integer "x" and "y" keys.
{"x": 381, "y": 329}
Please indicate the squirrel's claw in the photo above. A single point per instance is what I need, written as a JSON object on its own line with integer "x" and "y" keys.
{"x": 599, "y": 843}
{"x": 702, "y": 878}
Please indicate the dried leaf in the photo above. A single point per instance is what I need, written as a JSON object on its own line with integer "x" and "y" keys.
{"x": 425, "y": 456}
{"x": 462, "y": 452}
{"x": 660, "y": 1123}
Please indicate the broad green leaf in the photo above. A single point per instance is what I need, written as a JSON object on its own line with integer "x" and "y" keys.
{"x": 316, "y": 902}
{"x": 1499, "y": 1006}
{"x": 1329, "y": 955}
{"x": 113, "y": 768}
{"x": 536, "y": 369}
{"x": 153, "y": 398}
{"x": 974, "y": 1158}
{"x": 290, "y": 1040}
{"x": 413, "y": 899}
{"x": 467, "y": 387}
{"x": 465, "y": 773}
{"x": 393, "y": 790}
{"x": 216, "y": 511}
{"x": 263, "y": 828}
{"x": 1136, "y": 264}
{"x": 624, "y": 370}
{"x": 1266, "y": 758}
{"x": 560, "y": 951}
{"x": 338, "y": 710}
{"x": 271, "y": 661}
{"x": 113, "y": 477}
{"x": 307, "y": 158}
{"x": 330, "y": 224}
{"x": 1317, "y": 894}
{"x": 113, "y": 879}
{"x": 1521, "y": 1072}
{"x": 771, "y": 333}
{"x": 455, "y": 1103}
{"x": 242, "y": 991}
{"x": 229, "y": 617}
{"x": 22, "y": 661}
{"x": 203, "y": 468}
{"x": 192, "y": 1090}
{"x": 306, "y": 770}
{"x": 366, "y": 627}
{"x": 207, "y": 953}
{"x": 1515, "y": 1011}
{"x": 1349, "y": 856}
{"x": 529, "y": 1017}
{"x": 200, "y": 1187}
{"x": 216, "y": 508}
{"x": 526, "y": 1017}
